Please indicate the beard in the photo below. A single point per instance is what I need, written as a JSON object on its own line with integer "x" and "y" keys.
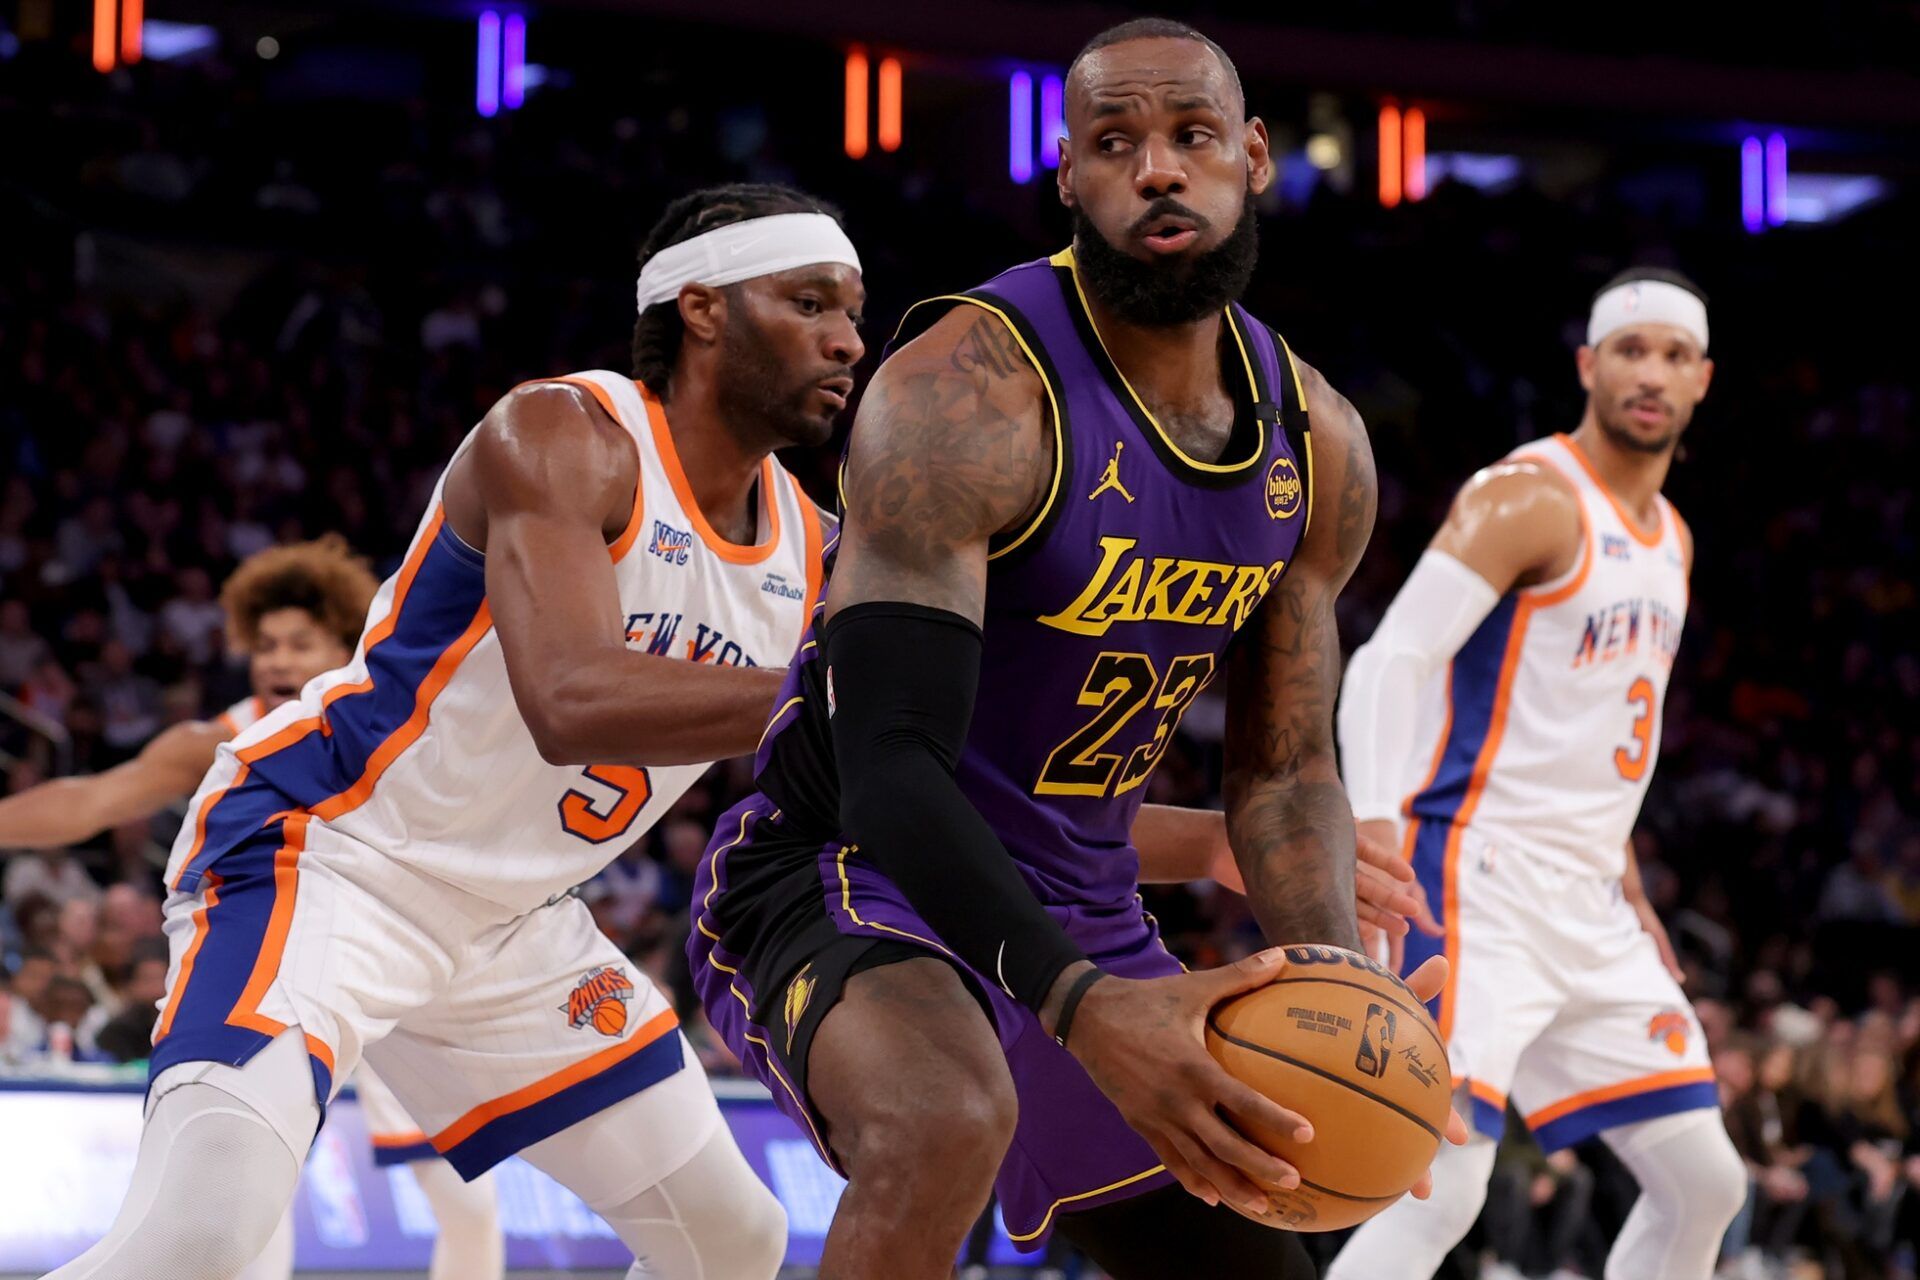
{"x": 762, "y": 396}
{"x": 1619, "y": 433}
{"x": 1171, "y": 291}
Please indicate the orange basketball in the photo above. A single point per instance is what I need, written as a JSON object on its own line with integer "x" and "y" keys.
{"x": 1343, "y": 1042}
{"x": 610, "y": 1016}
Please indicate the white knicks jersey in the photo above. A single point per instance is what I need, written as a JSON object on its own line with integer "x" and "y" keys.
{"x": 416, "y": 748}
{"x": 1544, "y": 729}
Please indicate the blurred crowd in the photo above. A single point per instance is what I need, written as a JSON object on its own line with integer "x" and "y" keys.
{"x": 222, "y": 329}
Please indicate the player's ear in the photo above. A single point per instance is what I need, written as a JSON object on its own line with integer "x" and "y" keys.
{"x": 1063, "y": 176}
{"x": 703, "y": 310}
{"x": 1584, "y": 359}
{"x": 1706, "y": 375}
{"x": 1259, "y": 157}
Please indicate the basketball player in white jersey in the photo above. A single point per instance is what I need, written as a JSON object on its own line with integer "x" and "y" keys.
{"x": 606, "y": 587}
{"x": 295, "y": 611}
{"x": 1507, "y": 711}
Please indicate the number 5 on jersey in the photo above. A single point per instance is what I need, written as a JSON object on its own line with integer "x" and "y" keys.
{"x": 599, "y": 818}
{"x": 1632, "y": 760}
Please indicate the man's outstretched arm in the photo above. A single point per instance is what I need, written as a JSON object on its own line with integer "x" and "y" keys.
{"x": 69, "y": 810}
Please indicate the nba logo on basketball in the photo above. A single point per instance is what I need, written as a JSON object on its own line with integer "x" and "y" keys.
{"x": 600, "y": 1000}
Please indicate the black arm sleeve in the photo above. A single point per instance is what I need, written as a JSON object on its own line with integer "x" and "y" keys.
{"x": 900, "y": 681}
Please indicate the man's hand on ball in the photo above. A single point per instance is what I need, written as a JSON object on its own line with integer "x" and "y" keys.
{"x": 1143, "y": 1043}
{"x": 1427, "y": 982}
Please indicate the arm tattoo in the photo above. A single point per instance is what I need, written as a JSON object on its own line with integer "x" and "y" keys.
{"x": 1287, "y": 814}
{"x": 947, "y": 451}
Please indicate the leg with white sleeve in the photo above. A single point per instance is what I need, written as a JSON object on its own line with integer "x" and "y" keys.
{"x": 1411, "y": 1238}
{"x": 219, "y": 1160}
{"x": 1692, "y": 1183}
{"x": 664, "y": 1171}
{"x": 469, "y": 1245}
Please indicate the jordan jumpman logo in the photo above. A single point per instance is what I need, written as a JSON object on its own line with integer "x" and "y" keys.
{"x": 1110, "y": 478}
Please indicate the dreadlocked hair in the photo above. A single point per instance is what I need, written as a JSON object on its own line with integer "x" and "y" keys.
{"x": 323, "y": 577}
{"x": 658, "y": 331}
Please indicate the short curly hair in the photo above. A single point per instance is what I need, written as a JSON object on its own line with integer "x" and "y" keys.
{"x": 658, "y": 331}
{"x": 323, "y": 577}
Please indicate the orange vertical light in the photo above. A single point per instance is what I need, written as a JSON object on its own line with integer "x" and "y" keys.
{"x": 103, "y": 12}
{"x": 132, "y": 15}
{"x": 889, "y": 124}
{"x": 1389, "y": 156}
{"x": 856, "y": 140}
{"x": 1416, "y": 150}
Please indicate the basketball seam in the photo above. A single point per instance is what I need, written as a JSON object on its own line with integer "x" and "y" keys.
{"x": 1342, "y": 1195}
{"x": 1388, "y": 1103}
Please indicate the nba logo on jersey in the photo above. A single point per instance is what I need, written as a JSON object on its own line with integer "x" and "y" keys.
{"x": 600, "y": 1000}
{"x": 1613, "y": 546}
{"x": 669, "y": 543}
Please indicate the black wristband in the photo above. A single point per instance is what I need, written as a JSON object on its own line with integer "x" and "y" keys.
{"x": 1075, "y": 994}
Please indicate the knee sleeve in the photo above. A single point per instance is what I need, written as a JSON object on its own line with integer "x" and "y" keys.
{"x": 1412, "y": 1237}
{"x": 710, "y": 1219}
{"x": 211, "y": 1184}
{"x": 469, "y": 1245}
{"x": 1692, "y": 1183}
{"x": 275, "y": 1262}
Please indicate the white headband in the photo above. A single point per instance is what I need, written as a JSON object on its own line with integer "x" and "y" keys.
{"x": 1647, "y": 302}
{"x": 743, "y": 250}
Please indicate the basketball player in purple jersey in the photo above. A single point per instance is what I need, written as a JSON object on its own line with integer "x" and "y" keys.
{"x": 1074, "y": 497}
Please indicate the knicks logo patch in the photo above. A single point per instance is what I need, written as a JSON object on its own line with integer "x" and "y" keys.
{"x": 669, "y": 543}
{"x": 799, "y": 996}
{"x": 599, "y": 1000}
{"x": 1284, "y": 490}
{"x": 1672, "y": 1028}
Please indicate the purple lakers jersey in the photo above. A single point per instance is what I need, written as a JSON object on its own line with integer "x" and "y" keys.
{"x": 1109, "y": 610}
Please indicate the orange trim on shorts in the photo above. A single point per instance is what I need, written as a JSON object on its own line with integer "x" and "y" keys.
{"x": 731, "y": 552}
{"x": 1645, "y": 537}
{"x": 416, "y": 724}
{"x": 619, "y": 547}
{"x": 661, "y": 1024}
{"x": 322, "y": 1050}
{"x": 186, "y": 961}
{"x": 1487, "y": 1094}
{"x": 391, "y": 1140}
{"x": 266, "y": 967}
{"x": 1614, "y": 1092}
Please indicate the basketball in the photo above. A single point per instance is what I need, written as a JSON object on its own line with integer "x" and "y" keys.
{"x": 1343, "y": 1042}
{"x": 610, "y": 1016}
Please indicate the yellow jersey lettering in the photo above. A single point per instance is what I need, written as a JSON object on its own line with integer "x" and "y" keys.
{"x": 1076, "y": 616}
{"x": 1129, "y": 587}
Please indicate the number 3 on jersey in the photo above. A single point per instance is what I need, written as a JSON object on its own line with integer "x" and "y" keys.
{"x": 631, "y": 789}
{"x": 1632, "y": 761}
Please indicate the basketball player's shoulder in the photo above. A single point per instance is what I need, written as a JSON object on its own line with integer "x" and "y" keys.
{"x": 551, "y": 436}
{"x": 951, "y": 429}
{"x": 1521, "y": 492}
{"x": 1342, "y": 468}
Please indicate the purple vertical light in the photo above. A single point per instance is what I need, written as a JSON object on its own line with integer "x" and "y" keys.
{"x": 486, "y": 73}
{"x": 1776, "y": 179}
{"x": 1053, "y": 120}
{"x": 1020, "y": 127}
{"x": 1753, "y": 208}
{"x": 513, "y": 72}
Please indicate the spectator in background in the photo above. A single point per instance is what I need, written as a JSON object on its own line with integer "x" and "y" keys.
{"x": 49, "y": 874}
{"x": 130, "y": 701}
{"x": 21, "y": 649}
{"x": 128, "y": 1035}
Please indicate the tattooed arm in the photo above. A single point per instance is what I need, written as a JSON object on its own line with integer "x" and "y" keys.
{"x": 1287, "y": 816}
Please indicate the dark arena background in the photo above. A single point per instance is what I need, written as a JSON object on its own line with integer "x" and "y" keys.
{"x": 265, "y": 264}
